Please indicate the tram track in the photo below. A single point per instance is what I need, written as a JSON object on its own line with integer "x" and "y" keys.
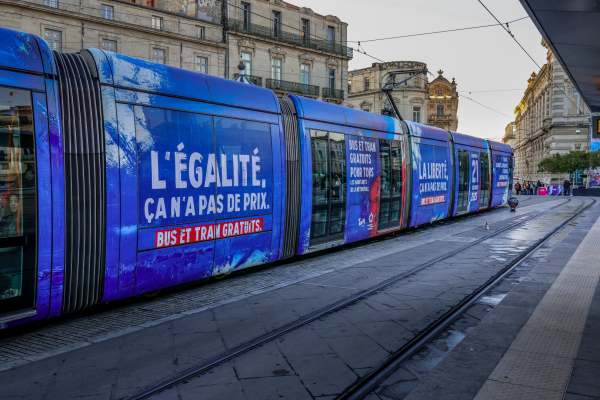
{"x": 228, "y": 355}
{"x": 371, "y": 380}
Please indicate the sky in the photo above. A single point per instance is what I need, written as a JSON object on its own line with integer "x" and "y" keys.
{"x": 485, "y": 62}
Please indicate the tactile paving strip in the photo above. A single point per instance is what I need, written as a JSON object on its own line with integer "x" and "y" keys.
{"x": 538, "y": 363}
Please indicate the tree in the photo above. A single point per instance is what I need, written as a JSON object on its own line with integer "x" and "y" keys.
{"x": 568, "y": 163}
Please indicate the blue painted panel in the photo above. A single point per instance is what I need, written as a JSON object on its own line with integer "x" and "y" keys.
{"x": 427, "y": 132}
{"x": 362, "y": 160}
{"x": 113, "y": 195}
{"x": 58, "y": 197}
{"x": 431, "y": 182}
{"x": 362, "y": 221}
{"x": 178, "y": 173}
{"x": 240, "y": 252}
{"x": 44, "y": 196}
{"x": 20, "y": 50}
{"x": 103, "y": 68}
{"x": 277, "y": 136}
{"x": 173, "y": 266}
{"x": 236, "y": 94}
{"x": 128, "y": 179}
{"x": 198, "y": 232}
{"x": 245, "y": 168}
{"x": 470, "y": 141}
{"x": 22, "y": 80}
{"x": 134, "y": 73}
{"x": 47, "y": 56}
{"x": 501, "y": 178}
{"x": 500, "y": 147}
{"x": 474, "y": 180}
{"x": 130, "y": 96}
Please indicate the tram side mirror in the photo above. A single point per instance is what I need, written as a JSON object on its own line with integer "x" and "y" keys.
{"x": 513, "y": 202}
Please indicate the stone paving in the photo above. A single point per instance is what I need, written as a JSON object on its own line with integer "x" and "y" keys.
{"x": 64, "y": 334}
{"x": 316, "y": 361}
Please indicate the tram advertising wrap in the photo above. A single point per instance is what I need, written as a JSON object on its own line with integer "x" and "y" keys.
{"x": 182, "y": 179}
{"x": 475, "y": 173}
{"x": 363, "y": 186}
{"x": 431, "y": 182}
{"x": 501, "y": 179}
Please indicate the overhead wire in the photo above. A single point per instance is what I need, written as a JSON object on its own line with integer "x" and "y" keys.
{"x": 526, "y": 52}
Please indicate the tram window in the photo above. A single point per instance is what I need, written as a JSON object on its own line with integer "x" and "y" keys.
{"x": 485, "y": 179}
{"x": 328, "y": 151}
{"x": 390, "y": 166}
{"x": 18, "y": 205}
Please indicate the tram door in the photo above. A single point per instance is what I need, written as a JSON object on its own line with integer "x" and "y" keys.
{"x": 463, "y": 181}
{"x": 18, "y": 204}
{"x": 485, "y": 180}
{"x": 328, "y": 151}
{"x": 390, "y": 198}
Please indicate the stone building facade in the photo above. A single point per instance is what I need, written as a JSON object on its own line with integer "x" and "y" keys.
{"x": 551, "y": 119}
{"x": 288, "y": 49}
{"x": 136, "y": 28}
{"x": 434, "y": 103}
{"x": 509, "y": 137}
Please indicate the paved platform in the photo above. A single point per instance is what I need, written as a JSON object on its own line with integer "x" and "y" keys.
{"x": 95, "y": 357}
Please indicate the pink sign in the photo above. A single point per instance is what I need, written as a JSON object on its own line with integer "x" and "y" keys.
{"x": 542, "y": 191}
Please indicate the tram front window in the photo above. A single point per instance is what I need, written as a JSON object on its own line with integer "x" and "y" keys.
{"x": 17, "y": 200}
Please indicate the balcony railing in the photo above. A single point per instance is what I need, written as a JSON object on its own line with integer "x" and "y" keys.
{"x": 440, "y": 117}
{"x": 292, "y": 87}
{"x": 335, "y": 94}
{"x": 256, "y": 80}
{"x": 290, "y": 38}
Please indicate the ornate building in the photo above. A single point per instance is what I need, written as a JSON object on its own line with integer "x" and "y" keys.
{"x": 418, "y": 100}
{"x": 509, "y": 137}
{"x": 551, "y": 119}
{"x": 289, "y": 49}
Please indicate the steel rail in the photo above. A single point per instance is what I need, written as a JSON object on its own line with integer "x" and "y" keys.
{"x": 228, "y": 355}
{"x": 377, "y": 375}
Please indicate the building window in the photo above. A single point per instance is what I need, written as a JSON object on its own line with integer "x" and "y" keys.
{"x": 246, "y": 14}
{"x": 109, "y": 45}
{"x": 276, "y": 69}
{"x": 200, "y": 33}
{"x": 417, "y": 114}
{"x": 331, "y": 34}
{"x": 366, "y": 108}
{"x": 247, "y": 57}
{"x": 157, "y": 23}
{"x": 276, "y": 24}
{"x": 577, "y": 106}
{"x": 158, "y": 56}
{"x": 417, "y": 80}
{"x": 331, "y": 79}
{"x": 305, "y": 31}
{"x": 108, "y": 12}
{"x": 149, "y": 3}
{"x": 367, "y": 83}
{"x": 305, "y": 73}
{"x": 349, "y": 86}
{"x": 202, "y": 65}
{"x": 54, "y": 39}
{"x": 51, "y": 3}
{"x": 440, "y": 110}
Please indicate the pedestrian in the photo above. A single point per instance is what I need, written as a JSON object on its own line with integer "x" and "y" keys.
{"x": 526, "y": 187}
{"x": 518, "y": 188}
{"x": 536, "y": 187}
{"x": 567, "y": 187}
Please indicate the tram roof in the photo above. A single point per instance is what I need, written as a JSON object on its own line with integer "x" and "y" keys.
{"x": 137, "y": 74}
{"x": 25, "y": 51}
{"x": 460, "y": 138}
{"x": 332, "y": 113}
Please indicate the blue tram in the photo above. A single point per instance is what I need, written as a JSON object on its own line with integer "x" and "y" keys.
{"x": 119, "y": 177}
